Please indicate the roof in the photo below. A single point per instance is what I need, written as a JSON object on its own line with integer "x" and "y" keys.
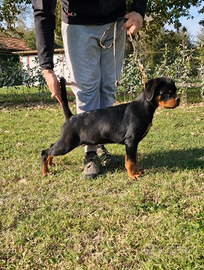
{"x": 12, "y": 44}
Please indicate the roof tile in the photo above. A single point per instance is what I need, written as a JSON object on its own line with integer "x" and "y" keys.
{"x": 12, "y": 44}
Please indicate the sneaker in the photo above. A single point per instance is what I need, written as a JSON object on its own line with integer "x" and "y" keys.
{"x": 105, "y": 157}
{"x": 92, "y": 165}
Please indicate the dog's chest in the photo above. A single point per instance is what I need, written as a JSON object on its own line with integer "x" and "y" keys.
{"x": 147, "y": 130}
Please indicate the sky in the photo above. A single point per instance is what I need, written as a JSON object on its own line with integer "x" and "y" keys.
{"x": 191, "y": 24}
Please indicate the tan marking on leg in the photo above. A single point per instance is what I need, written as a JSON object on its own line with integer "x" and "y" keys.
{"x": 45, "y": 169}
{"x": 49, "y": 160}
{"x": 132, "y": 169}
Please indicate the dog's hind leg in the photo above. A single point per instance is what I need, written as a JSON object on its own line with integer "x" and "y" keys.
{"x": 58, "y": 149}
{"x": 44, "y": 163}
{"x": 131, "y": 162}
{"x": 49, "y": 160}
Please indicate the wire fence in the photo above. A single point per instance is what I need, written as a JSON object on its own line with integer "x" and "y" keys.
{"x": 22, "y": 84}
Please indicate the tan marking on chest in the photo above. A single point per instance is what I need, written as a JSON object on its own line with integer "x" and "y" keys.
{"x": 147, "y": 130}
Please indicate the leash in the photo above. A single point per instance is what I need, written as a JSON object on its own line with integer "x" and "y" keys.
{"x": 113, "y": 43}
{"x": 137, "y": 59}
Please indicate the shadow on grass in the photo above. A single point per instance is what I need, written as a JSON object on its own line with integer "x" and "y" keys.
{"x": 182, "y": 159}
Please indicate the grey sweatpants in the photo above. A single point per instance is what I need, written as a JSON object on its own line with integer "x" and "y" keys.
{"x": 91, "y": 67}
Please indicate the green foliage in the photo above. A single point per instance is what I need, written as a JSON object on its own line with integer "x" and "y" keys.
{"x": 13, "y": 74}
{"x": 9, "y": 13}
{"x": 29, "y": 39}
{"x": 34, "y": 76}
{"x": 168, "y": 12}
{"x": 10, "y": 72}
{"x": 158, "y": 12}
{"x": 58, "y": 36}
{"x": 17, "y": 82}
{"x": 200, "y": 37}
{"x": 131, "y": 77}
{"x": 185, "y": 67}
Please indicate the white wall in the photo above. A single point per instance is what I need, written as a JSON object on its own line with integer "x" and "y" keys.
{"x": 60, "y": 67}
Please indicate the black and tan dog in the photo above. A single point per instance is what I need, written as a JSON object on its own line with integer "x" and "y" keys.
{"x": 124, "y": 124}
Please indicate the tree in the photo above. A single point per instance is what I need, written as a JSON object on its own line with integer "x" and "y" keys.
{"x": 159, "y": 13}
{"x": 200, "y": 37}
{"x": 163, "y": 12}
{"x": 58, "y": 37}
{"x": 10, "y": 10}
{"x": 29, "y": 39}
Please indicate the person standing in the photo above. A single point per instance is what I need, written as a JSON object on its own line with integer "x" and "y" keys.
{"x": 89, "y": 27}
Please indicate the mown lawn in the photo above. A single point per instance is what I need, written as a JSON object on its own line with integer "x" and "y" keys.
{"x": 113, "y": 222}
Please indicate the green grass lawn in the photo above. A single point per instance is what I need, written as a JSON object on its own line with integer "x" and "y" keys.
{"x": 65, "y": 222}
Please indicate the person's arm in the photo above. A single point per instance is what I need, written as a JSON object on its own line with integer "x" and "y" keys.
{"x": 135, "y": 17}
{"x": 44, "y": 19}
{"x": 44, "y": 30}
{"x": 139, "y": 6}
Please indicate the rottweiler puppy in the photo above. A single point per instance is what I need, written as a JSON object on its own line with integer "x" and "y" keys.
{"x": 124, "y": 124}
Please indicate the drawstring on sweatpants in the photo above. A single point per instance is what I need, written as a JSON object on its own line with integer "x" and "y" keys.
{"x": 113, "y": 43}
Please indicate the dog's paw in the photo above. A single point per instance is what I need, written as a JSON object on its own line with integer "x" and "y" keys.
{"x": 138, "y": 174}
{"x": 44, "y": 174}
{"x": 135, "y": 174}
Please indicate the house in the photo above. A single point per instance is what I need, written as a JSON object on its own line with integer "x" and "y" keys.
{"x": 16, "y": 50}
{"x": 9, "y": 45}
{"x": 29, "y": 60}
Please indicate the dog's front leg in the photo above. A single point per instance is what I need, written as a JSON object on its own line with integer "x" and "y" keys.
{"x": 131, "y": 162}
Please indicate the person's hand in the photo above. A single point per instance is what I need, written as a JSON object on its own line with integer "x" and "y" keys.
{"x": 133, "y": 24}
{"x": 54, "y": 85}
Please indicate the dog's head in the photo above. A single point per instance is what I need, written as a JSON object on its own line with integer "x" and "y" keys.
{"x": 161, "y": 92}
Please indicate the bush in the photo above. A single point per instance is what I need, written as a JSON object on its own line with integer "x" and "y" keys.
{"x": 186, "y": 69}
{"x": 10, "y": 74}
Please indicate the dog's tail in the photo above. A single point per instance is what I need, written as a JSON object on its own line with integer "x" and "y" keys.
{"x": 66, "y": 110}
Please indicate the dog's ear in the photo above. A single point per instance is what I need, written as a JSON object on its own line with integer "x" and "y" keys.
{"x": 149, "y": 89}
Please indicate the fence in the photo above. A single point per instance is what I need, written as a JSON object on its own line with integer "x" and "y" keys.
{"x": 188, "y": 76}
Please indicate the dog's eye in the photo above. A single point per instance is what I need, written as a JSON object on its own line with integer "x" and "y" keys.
{"x": 168, "y": 93}
{"x": 165, "y": 94}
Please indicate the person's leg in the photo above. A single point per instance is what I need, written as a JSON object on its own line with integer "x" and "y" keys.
{"x": 110, "y": 71}
{"x": 83, "y": 59}
{"x": 86, "y": 60}
{"x": 110, "y": 68}
{"x": 91, "y": 67}
{"x": 83, "y": 55}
